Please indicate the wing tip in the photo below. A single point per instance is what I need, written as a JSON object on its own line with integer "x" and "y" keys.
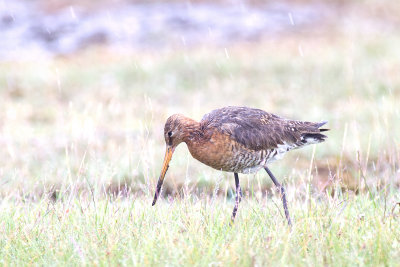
{"x": 320, "y": 124}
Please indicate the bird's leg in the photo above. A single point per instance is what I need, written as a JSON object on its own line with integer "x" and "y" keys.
{"x": 283, "y": 194}
{"x": 238, "y": 196}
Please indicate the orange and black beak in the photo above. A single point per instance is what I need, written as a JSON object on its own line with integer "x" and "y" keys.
{"x": 167, "y": 159}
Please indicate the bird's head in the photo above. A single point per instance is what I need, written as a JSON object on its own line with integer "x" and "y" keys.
{"x": 176, "y": 130}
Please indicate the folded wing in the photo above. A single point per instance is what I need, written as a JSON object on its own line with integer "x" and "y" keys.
{"x": 260, "y": 130}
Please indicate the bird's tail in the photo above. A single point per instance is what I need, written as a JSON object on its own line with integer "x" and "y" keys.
{"x": 314, "y": 136}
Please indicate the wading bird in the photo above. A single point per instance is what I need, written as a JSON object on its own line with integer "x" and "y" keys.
{"x": 238, "y": 140}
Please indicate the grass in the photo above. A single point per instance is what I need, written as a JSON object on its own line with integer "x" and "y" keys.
{"x": 82, "y": 148}
{"x": 340, "y": 231}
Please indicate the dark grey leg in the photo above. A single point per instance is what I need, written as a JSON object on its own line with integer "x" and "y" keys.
{"x": 283, "y": 194}
{"x": 238, "y": 196}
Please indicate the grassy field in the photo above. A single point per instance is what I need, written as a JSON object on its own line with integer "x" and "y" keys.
{"x": 82, "y": 147}
{"x": 330, "y": 231}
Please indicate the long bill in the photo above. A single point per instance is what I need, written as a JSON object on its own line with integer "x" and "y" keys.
{"x": 167, "y": 159}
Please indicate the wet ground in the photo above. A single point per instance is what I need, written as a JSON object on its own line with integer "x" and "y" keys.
{"x": 28, "y": 30}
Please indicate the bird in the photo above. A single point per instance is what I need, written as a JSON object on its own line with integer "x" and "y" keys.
{"x": 238, "y": 140}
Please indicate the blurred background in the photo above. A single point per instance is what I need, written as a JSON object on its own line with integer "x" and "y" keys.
{"x": 86, "y": 87}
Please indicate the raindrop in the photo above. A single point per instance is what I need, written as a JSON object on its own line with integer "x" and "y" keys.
{"x": 301, "y": 50}
{"x": 72, "y": 11}
{"x": 58, "y": 80}
{"x": 291, "y": 18}
{"x": 226, "y": 53}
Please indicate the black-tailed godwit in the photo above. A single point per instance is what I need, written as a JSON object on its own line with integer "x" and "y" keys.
{"x": 238, "y": 140}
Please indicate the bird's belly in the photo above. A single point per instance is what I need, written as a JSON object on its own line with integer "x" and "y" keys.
{"x": 252, "y": 169}
{"x": 252, "y": 161}
{"x": 249, "y": 161}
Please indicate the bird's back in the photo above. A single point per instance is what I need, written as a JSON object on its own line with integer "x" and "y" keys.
{"x": 260, "y": 136}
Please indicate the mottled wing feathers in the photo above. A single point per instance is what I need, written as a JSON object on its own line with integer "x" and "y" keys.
{"x": 260, "y": 130}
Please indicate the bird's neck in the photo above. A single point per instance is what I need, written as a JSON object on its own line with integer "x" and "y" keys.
{"x": 190, "y": 129}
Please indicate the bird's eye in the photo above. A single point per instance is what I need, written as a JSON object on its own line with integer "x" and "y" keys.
{"x": 169, "y": 133}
